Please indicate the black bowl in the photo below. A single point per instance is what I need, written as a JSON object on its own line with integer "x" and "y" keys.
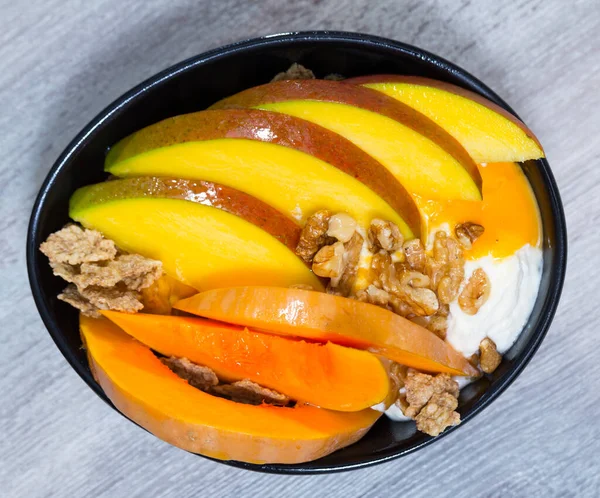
{"x": 198, "y": 82}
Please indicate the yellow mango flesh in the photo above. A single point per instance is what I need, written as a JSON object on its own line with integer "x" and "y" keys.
{"x": 423, "y": 167}
{"x": 487, "y": 135}
{"x": 160, "y": 297}
{"x": 294, "y": 183}
{"x": 199, "y": 245}
{"x": 147, "y": 392}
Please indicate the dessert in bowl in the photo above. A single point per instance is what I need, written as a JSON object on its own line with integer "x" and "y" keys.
{"x": 261, "y": 280}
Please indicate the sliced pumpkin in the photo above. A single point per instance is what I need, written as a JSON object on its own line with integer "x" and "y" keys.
{"x": 147, "y": 392}
{"x": 324, "y": 375}
{"x": 324, "y": 317}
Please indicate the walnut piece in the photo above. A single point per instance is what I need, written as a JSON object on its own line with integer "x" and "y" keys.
{"x": 248, "y": 392}
{"x": 397, "y": 374}
{"x": 414, "y": 279}
{"x": 385, "y": 235}
{"x": 422, "y": 302}
{"x": 438, "y": 325}
{"x": 445, "y": 249}
{"x": 329, "y": 261}
{"x": 75, "y": 245}
{"x": 475, "y": 293}
{"x": 341, "y": 227}
{"x": 446, "y": 267}
{"x": 409, "y": 300}
{"x": 438, "y": 414}
{"x": 467, "y": 233}
{"x": 374, "y": 295}
{"x": 200, "y": 377}
{"x": 295, "y": 72}
{"x": 415, "y": 255}
{"x": 313, "y": 235}
{"x": 489, "y": 358}
{"x": 382, "y": 268}
{"x": 408, "y": 290}
{"x": 352, "y": 250}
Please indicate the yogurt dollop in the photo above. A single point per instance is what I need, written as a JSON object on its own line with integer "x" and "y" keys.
{"x": 515, "y": 281}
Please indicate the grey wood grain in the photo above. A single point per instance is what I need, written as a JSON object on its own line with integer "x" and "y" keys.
{"x": 62, "y": 61}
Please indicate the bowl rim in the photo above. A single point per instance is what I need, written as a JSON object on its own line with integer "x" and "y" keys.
{"x": 271, "y": 41}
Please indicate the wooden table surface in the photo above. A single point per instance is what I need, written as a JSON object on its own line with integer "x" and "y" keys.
{"x": 62, "y": 61}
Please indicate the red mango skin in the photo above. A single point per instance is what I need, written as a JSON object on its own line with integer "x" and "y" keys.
{"x": 448, "y": 87}
{"x": 208, "y": 194}
{"x": 357, "y": 96}
{"x": 278, "y": 129}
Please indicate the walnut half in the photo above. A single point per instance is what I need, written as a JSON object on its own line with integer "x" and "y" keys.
{"x": 341, "y": 227}
{"x": 467, "y": 233}
{"x": 489, "y": 359}
{"x": 314, "y": 235}
{"x": 475, "y": 293}
{"x": 385, "y": 235}
{"x": 329, "y": 261}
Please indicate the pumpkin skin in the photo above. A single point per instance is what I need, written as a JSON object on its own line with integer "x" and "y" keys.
{"x": 324, "y": 375}
{"x": 148, "y": 393}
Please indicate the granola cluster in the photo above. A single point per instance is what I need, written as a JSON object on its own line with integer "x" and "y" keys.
{"x": 429, "y": 400}
{"x": 299, "y": 72}
{"x": 295, "y": 72}
{"x": 243, "y": 391}
{"x": 100, "y": 276}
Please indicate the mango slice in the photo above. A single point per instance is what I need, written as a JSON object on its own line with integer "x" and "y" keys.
{"x": 200, "y": 245}
{"x": 488, "y": 132}
{"x": 268, "y": 127}
{"x": 290, "y": 181}
{"x": 426, "y": 159}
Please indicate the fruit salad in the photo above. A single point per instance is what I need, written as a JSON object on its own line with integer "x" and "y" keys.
{"x": 263, "y": 280}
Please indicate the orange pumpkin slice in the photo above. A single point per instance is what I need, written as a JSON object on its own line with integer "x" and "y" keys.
{"x": 324, "y": 375}
{"x": 147, "y": 392}
{"x": 323, "y": 317}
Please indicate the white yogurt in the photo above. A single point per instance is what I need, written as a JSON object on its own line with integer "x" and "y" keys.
{"x": 514, "y": 287}
{"x": 395, "y": 413}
